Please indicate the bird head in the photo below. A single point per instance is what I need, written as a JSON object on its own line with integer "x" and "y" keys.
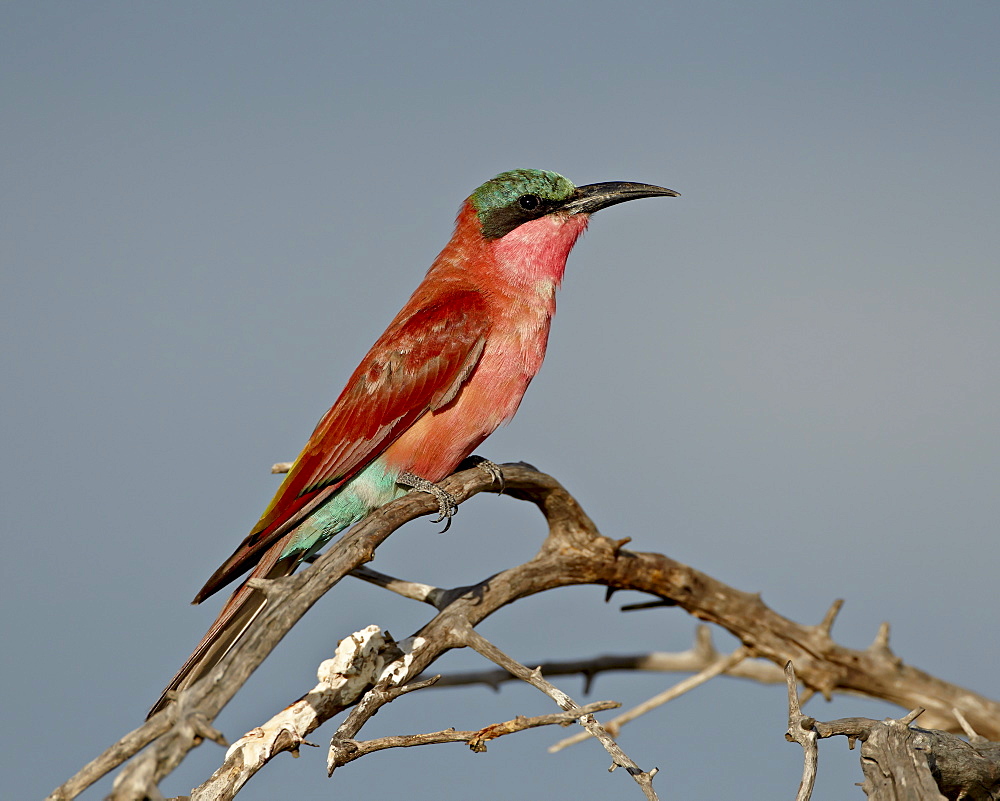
{"x": 519, "y": 196}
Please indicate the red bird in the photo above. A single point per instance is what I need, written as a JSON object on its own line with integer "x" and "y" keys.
{"x": 451, "y": 367}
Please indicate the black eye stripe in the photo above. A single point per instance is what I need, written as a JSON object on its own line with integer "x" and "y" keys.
{"x": 504, "y": 219}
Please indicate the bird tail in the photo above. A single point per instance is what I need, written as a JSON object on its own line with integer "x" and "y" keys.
{"x": 235, "y": 618}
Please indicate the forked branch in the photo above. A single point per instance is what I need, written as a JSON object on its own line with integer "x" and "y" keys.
{"x": 573, "y": 553}
{"x": 901, "y": 762}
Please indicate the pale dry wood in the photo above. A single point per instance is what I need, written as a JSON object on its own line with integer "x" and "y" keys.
{"x": 359, "y": 662}
{"x": 800, "y": 730}
{"x": 574, "y": 553}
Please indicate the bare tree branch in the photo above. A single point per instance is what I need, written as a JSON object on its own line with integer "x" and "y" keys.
{"x": 349, "y": 750}
{"x": 359, "y": 662}
{"x": 900, "y": 762}
{"x": 534, "y": 677}
{"x": 721, "y": 665}
{"x": 701, "y": 655}
{"x": 574, "y": 553}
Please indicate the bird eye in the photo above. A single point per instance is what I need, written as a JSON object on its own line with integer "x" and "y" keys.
{"x": 529, "y": 202}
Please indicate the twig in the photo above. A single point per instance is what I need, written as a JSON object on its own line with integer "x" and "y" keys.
{"x": 620, "y": 759}
{"x": 425, "y": 593}
{"x": 344, "y": 751}
{"x": 721, "y": 665}
{"x": 373, "y": 700}
{"x": 970, "y": 732}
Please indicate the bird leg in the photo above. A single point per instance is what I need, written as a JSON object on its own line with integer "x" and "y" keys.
{"x": 492, "y": 469}
{"x": 447, "y": 503}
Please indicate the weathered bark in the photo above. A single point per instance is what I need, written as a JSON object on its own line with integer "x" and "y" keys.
{"x": 573, "y": 553}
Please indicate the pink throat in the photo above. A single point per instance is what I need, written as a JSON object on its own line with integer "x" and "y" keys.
{"x": 537, "y": 250}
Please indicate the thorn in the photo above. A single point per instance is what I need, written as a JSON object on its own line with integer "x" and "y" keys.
{"x": 881, "y": 641}
{"x": 648, "y": 605}
{"x": 608, "y": 593}
{"x": 916, "y": 713}
{"x": 703, "y": 644}
{"x": 880, "y": 646}
{"x": 851, "y": 742}
{"x": 619, "y": 544}
{"x": 831, "y": 615}
{"x": 970, "y": 732}
{"x": 208, "y": 732}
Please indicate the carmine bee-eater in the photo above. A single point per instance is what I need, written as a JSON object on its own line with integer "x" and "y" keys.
{"x": 450, "y": 368}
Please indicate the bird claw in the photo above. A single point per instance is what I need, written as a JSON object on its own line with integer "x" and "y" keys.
{"x": 447, "y": 503}
{"x": 492, "y": 469}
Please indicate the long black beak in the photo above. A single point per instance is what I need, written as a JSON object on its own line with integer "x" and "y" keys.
{"x": 594, "y": 197}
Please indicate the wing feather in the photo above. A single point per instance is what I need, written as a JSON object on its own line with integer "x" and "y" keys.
{"x": 418, "y": 365}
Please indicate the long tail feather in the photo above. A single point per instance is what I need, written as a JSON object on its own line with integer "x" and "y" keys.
{"x": 235, "y": 618}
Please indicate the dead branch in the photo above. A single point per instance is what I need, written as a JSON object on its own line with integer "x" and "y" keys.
{"x": 359, "y": 662}
{"x": 800, "y": 730}
{"x": 481, "y": 645}
{"x": 901, "y": 762}
{"x": 721, "y": 665}
{"x": 573, "y": 553}
{"x": 897, "y": 757}
{"x": 701, "y": 655}
{"x": 349, "y": 750}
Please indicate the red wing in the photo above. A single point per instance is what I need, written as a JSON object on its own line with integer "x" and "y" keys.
{"x": 417, "y": 365}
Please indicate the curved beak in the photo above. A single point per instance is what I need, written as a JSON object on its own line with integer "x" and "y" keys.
{"x": 594, "y": 197}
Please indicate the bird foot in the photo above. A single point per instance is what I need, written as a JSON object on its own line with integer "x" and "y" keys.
{"x": 492, "y": 469}
{"x": 447, "y": 503}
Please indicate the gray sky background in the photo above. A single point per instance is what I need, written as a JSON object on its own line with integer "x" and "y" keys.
{"x": 786, "y": 378}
